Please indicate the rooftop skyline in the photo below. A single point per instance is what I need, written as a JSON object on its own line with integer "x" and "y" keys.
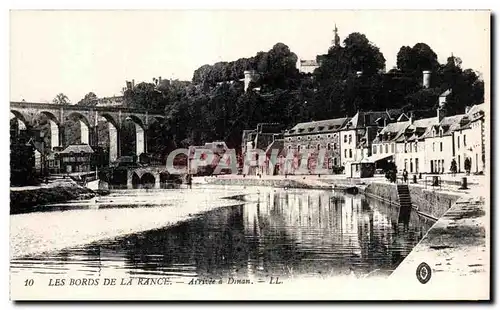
{"x": 78, "y": 52}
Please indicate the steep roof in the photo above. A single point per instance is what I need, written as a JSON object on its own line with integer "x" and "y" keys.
{"x": 419, "y": 127}
{"x": 476, "y": 111}
{"x": 371, "y": 118}
{"x": 308, "y": 62}
{"x": 78, "y": 148}
{"x": 449, "y": 124}
{"x": 319, "y": 126}
{"x": 394, "y": 130}
{"x": 277, "y": 144}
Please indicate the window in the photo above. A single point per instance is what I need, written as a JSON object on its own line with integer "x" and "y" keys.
{"x": 465, "y": 141}
{"x": 298, "y": 138}
{"x": 416, "y": 165}
{"x": 345, "y": 138}
{"x": 458, "y": 142}
{"x": 335, "y": 146}
{"x": 289, "y": 147}
{"x": 350, "y": 138}
{"x": 411, "y": 165}
{"x": 350, "y": 153}
{"x": 318, "y": 147}
{"x": 415, "y": 147}
{"x": 329, "y": 146}
{"x": 335, "y": 161}
{"x": 387, "y": 148}
{"x": 380, "y": 149}
{"x": 406, "y": 148}
{"x": 374, "y": 149}
{"x": 357, "y": 168}
{"x": 406, "y": 164}
{"x": 393, "y": 146}
{"x": 308, "y": 137}
{"x": 440, "y": 146}
{"x": 345, "y": 153}
{"x": 441, "y": 133}
{"x": 433, "y": 146}
{"x": 298, "y": 148}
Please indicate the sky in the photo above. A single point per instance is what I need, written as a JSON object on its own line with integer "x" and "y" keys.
{"x": 76, "y": 52}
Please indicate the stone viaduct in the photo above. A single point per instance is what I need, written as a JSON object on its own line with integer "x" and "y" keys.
{"x": 27, "y": 112}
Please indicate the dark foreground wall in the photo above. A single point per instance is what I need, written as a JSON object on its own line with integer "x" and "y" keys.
{"x": 427, "y": 201}
{"x": 23, "y": 201}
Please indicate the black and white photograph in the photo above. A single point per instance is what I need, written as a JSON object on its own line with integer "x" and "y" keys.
{"x": 249, "y": 155}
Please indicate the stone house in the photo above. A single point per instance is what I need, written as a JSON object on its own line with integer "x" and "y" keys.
{"x": 258, "y": 139}
{"x": 310, "y": 138}
{"x": 357, "y": 135}
{"x": 470, "y": 140}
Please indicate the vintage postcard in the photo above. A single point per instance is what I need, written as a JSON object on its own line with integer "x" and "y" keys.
{"x": 250, "y": 155}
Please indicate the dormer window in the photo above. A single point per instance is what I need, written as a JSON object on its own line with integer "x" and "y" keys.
{"x": 311, "y": 129}
{"x": 320, "y": 128}
{"x": 330, "y": 127}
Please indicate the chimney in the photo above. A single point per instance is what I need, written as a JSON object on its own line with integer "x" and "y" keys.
{"x": 426, "y": 79}
{"x": 467, "y": 109}
{"x": 440, "y": 114}
{"x": 411, "y": 117}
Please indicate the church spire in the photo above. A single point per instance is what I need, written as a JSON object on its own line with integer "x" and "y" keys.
{"x": 336, "y": 38}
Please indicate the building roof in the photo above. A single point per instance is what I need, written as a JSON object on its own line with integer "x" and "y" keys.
{"x": 78, "y": 148}
{"x": 318, "y": 126}
{"x": 277, "y": 144}
{"x": 371, "y": 118}
{"x": 309, "y": 63}
{"x": 476, "y": 111}
{"x": 446, "y": 93}
{"x": 449, "y": 124}
{"x": 419, "y": 127}
{"x": 394, "y": 130}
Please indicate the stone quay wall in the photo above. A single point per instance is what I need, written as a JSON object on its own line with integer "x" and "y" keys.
{"x": 429, "y": 202}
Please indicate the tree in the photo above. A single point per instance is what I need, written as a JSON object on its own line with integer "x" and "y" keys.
{"x": 414, "y": 60}
{"x": 61, "y": 99}
{"x": 89, "y": 99}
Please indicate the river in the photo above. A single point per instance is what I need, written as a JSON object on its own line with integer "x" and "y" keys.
{"x": 186, "y": 234}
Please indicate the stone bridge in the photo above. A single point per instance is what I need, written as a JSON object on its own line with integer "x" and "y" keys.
{"x": 152, "y": 176}
{"x": 27, "y": 112}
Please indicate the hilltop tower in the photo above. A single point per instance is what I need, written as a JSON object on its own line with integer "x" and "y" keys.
{"x": 336, "y": 38}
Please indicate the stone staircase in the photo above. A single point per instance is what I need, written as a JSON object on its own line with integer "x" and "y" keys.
{"x": 404, "y": 203}
{"x": 404, "y": 196}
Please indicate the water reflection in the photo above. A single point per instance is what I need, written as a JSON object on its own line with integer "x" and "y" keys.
{"x": 286, "y": 233}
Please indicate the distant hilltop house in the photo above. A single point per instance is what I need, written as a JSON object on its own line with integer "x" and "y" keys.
{"x": 309, "y": 65}
{"x": 110, "y": 101}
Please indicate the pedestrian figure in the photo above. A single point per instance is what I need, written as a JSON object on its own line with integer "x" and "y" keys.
{"x": 405, "y": 175}
{"x": 453, "y": 168}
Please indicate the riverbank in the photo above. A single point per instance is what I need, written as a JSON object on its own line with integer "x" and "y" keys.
{"x": 456, "y": 249}
{"x": 33, "y": 198}
{"x": 123, "y": 212}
